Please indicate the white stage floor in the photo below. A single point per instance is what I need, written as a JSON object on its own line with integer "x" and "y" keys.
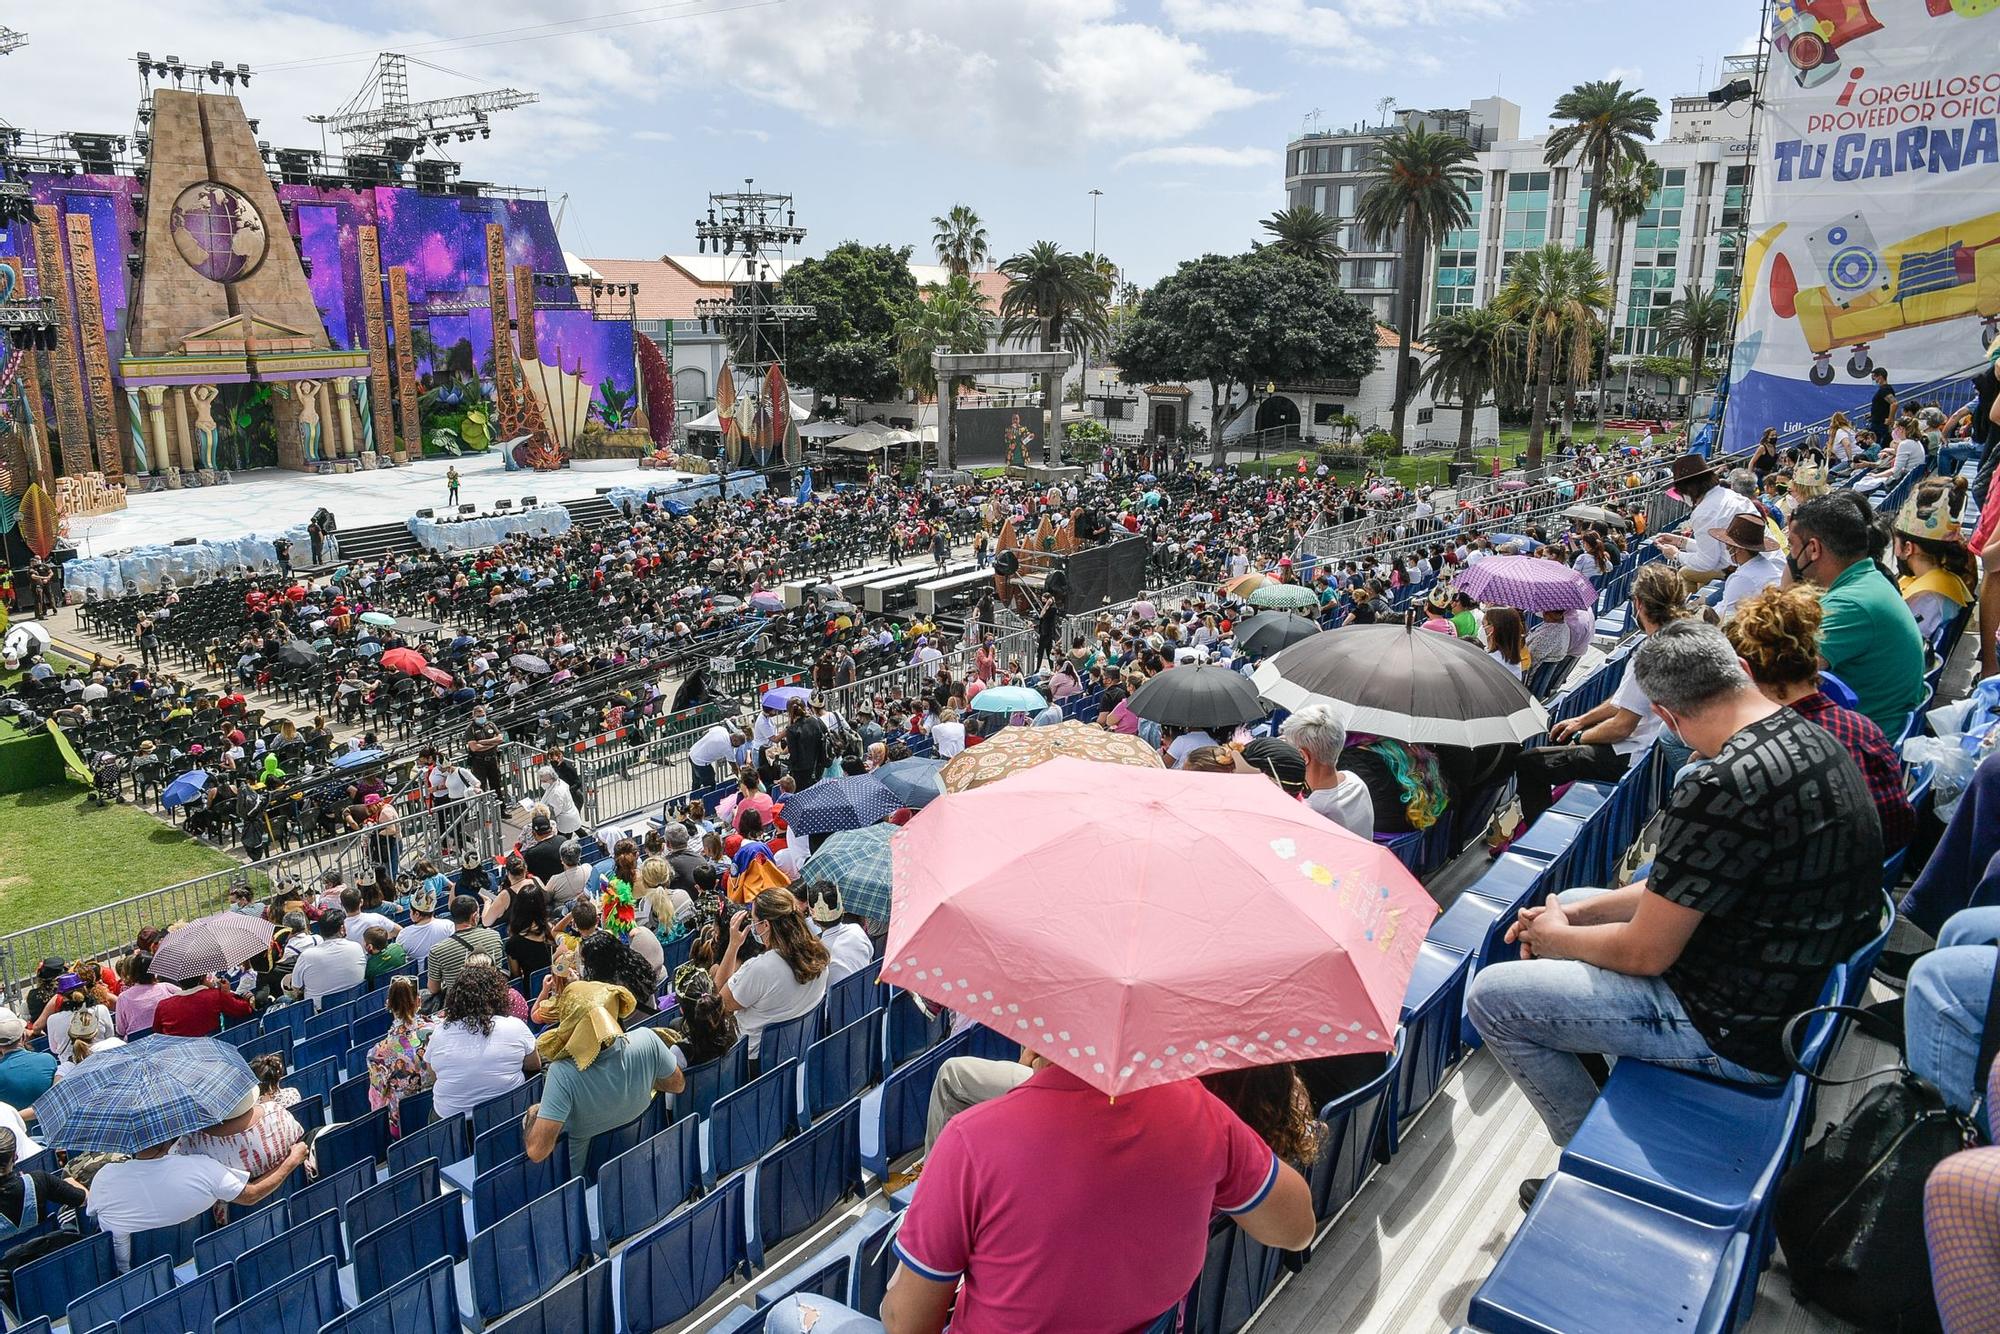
{"x": 270, "y": 500}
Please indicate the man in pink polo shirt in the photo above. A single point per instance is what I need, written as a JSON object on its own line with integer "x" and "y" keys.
{"x": 1062, "y": 1208}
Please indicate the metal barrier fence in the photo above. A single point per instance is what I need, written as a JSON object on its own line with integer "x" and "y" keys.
{"x": 630, "y": 769}
{"x": 467, "y": 828}
{"x": 912, "y": 678}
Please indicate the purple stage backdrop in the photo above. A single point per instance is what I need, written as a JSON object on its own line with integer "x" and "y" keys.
{"x": 439, "y": 239}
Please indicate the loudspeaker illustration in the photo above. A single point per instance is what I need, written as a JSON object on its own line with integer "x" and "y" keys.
{"x": 1848, "y": 260}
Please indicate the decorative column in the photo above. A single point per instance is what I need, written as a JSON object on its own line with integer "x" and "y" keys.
{"x": 406, "y": 363}
{"x": 136, "y": 424}
{"x": 156, "y": 426}
{"x": 183, "y": 436}
{"x": 95, "y": 357}
{"x": 503, "y": 340}
{"x": 312, "y": 447}
{"x": 72, "y": 427}
{"x": 365, "y": 411}
{"x": 378, "y": 432}
{"x": 524, "y": 311}
{"x": 207, "y": 435}
{"x": 343, "y": 414}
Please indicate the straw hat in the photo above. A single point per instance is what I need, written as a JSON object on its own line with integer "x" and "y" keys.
{"x": 1808, "y": 481}
{"x": 1930, "y": 522}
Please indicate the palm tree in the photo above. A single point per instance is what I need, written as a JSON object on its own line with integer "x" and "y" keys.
{"x": 1626, "y": 192}
{"x": 1417, "y": 187}
{"x": 1468, "y": 344}
{"x": 1304, "y": 231}
{"x": 1605, "y": 126}
{"x": 1552, "y": 295}
{"x": 1060, "y": 300}
{"x": 1697, "y": 320}
{"x": 960, "y": 240}
{"x": 951, "y": 317}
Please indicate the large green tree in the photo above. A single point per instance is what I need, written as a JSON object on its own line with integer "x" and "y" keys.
{"x": 1417, "y": 191}
{"x": 858, "y": 294}
{"x": 1304, "y": 231}
{"x": 1469, "y": 345}
{"x": 1600, "y": 123}
{"x": 1246, "y": 320}
{"x": 959, "y": 238}
{"x": 1553, "y": 295}
{"x": 951, "y": 317}
{"x": 1698, "y": 320}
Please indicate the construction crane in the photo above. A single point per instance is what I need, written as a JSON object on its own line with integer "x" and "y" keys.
{"x": 11, "y": 40}
{"x": 381, "y": 118}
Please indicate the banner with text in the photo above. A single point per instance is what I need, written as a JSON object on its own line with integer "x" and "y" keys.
{"x": 1874, "y": 236}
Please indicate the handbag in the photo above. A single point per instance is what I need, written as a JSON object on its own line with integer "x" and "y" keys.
{"x": 1850, "y": 1212}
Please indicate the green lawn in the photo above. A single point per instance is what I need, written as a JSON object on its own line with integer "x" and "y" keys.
{"x": 60, "y": 855}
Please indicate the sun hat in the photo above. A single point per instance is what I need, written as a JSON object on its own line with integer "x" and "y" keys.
{"x": 1746, "y": 532}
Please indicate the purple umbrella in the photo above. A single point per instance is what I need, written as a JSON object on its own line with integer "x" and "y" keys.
{"x": 211, "y": 945}
{"x": 1527, "y": 583}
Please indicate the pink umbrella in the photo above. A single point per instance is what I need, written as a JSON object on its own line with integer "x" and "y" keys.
{"x": 1145, "y": 926}
{"x": 437, "y": 675}
{"x": 1528, "y": 583}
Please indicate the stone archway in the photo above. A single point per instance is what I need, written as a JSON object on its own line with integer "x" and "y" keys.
{"x": 1278, "y": 413}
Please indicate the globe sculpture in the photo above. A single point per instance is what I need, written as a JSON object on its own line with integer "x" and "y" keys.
{"x": 218, "y": 232}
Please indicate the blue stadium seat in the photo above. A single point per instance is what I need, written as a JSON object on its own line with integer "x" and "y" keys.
{"x": 501, "y": 1144}
{"x": 349, "y": 1099}
{"x": 893, "y": 1116}
{"x": 907, "y": 1034}
{"x": 292, "y": 1016}
{"x": 865, "y": 1244}
{"x": 415, "y": 1110}
{"x": 854, "y": 997}
{"x": 582, "y": 1305}
{"x": 394, "y": 1252}
{"x": 1203, "y": 1304}
{"x": 798, "y": 1183}
{"x": 370, "y": 1028}
{"x": 299, "y": 1304}
{"x": 527, "y": 1253}
{"x": 1838, "y": 690}
{"x": 331, "y": 1192}
{"x": 828, "y": 1276}
{"x": 841, "y": 1065}
{"x": 1588, "y": 1258}
{"x": 335, "y": 1000}
{"x": 747, "y": 1123}
{"x": 641, "y": 1186}
{"x": 176, "y": 1243}
{"x": 443, "y": 1140}
{"x": 1433, "y": 1006}
{"x": 326, "y": 1021}
{"x": 365, "y": 1139}
{"x": 253, "y": 1229}
{"x": 292, "y": 1250}
{"x": 193, "y": 1305}
{"x": 104, "y": 1301}
{"x": 39, "y": 1325}
{"x": 236, "y": 1034}
{"x": 423, "y": 1303}
{"x": 316, "y": 1080}
{"x": 355, "y": 1063}
{"x": 610, "y": 1143}
{"x": 1548, "y": 837}
{"x": 989, "y": 1045}
{"x": 277, "y": 1042}
{"x": 311, "y": 1051}
{"x": 712, "y": 1079}
{"x": 1357, "y": 1139}
{"x": 514, "y": 1183}
{"x": 378, "y": 1206}
{"x": 787, "y": 1041}
{"x": 509, "y": 1106}
{"x": 670, "y": 1271}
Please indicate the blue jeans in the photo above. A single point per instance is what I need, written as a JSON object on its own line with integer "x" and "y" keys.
{"x": 1953, "y": 457}
{"x": 789, "y": 1316}
{"x": 1537, "y": 1015}
{"x": 1944, "y": 1010}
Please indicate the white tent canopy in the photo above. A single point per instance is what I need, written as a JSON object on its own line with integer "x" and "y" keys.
{"x": 708, "y": 421}
{"x": 826, "y": 430}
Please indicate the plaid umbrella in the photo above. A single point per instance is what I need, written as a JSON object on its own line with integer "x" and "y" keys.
{"x": 1293, "y": 597}
{"x": 144, "y": 1093}
{"x": 913, "y": 781}
{"x": 1528, "y": 583}
{"x": 856, "y": 860}
{"x": 211, "y": 945}
{"x": 851, "y": 802}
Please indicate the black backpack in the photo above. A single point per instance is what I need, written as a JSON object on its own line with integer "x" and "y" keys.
{"x": 1850, "y": 1212}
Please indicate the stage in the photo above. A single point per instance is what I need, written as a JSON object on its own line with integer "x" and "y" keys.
{"x": 269, "y": 501}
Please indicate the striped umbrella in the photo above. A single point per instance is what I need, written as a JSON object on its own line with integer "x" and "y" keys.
{"x": 858, "y": 862}
{"x": 144, "y": 1093}
{"x": 1527, "y": 583}
{"x": 833, "y": 804}
{"x": 1286, "y": 597}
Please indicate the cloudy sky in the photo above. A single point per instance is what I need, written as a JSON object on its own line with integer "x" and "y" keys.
{"x": 878, "y": 114}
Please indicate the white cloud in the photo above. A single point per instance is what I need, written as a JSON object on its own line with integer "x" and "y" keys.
{"x": 651, "y": 136}
{"x": 761, "y": 136}
{"x": 1630, "y": 75}
{"x": 1200, "y": 155}
{"x": 1340, "y": 31}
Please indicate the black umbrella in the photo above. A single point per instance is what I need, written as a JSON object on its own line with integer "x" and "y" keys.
{"x": 1406, "y": 684}
{"x": 1268, "y": 631}
{"x": 1198, "y": 696}
{"x": 296, "y": 654}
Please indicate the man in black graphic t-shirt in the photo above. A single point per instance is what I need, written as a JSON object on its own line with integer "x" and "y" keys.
{"x": 1768, "y": 874}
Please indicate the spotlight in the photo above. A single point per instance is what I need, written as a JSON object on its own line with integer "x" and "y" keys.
{"x": 1733, "y": 91}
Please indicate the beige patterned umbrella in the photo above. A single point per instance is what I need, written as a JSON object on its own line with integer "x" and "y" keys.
{"x": 1013, "y": 749}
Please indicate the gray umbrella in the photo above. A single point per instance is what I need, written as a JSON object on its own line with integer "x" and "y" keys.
{"x": 1198, "y": 696}
{"x": 1268, "y": 631}
{"x": 1405, "y": 684}
{"x": 528, "y": 662}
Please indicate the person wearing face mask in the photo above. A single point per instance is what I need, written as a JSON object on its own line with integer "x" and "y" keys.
{"x": 1868, "y": 638}
{"x": 787, "y": 980}
{"x": 1935, "y": 567}
{"x": 482, "y": 752}
{"x": 1904, "y": 455}
{"x": 1768, "y": 875}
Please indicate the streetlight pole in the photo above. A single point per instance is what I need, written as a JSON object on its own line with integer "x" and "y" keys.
{"x": 1083, "y": 389}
